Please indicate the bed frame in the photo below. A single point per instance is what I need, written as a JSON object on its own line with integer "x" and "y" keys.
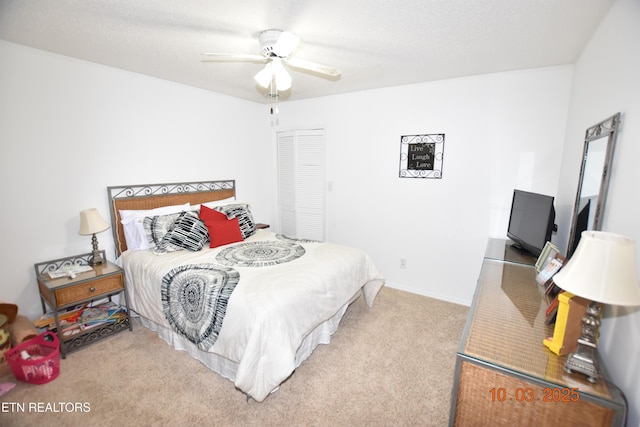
{"x": 151, "y": 196}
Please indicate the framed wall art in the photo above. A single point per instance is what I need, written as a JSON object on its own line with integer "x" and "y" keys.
{"x": 421, "y": 155}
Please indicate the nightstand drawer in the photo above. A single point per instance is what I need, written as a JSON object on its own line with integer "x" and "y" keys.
{"x": 83, "y": 291}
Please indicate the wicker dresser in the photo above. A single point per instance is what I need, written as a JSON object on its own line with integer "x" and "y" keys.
{"x": 504, "y": 373}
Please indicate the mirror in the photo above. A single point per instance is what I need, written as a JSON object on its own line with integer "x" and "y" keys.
{"x": 597, "y": 156}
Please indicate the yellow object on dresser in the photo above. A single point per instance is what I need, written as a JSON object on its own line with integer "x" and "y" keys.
{"x": 568, "y": 326}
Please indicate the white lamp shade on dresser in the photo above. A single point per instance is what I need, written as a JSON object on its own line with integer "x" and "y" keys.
{"x": 602, "y": 269}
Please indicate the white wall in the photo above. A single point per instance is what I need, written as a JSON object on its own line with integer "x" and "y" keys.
{"x": 606, "y": 82}
{"x": 502, "y": 131}
{"x": 69, "y": 129}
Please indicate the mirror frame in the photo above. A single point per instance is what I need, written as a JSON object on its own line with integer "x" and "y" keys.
{"x": 605, "y": 129}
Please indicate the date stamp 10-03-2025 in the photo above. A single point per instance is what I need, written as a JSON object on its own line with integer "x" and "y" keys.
{"x": 526, "y": 394}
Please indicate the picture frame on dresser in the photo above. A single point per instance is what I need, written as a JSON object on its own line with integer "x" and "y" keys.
{"x": 548, "y": 253}
{"x": 545, "y": 276}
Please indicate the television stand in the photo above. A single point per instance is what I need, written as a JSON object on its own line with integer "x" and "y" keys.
{"x": 519, "y": 248}
{"x": 508, "y": 250}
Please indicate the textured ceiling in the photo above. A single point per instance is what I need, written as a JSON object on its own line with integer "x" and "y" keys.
{"x": 376, "y": 43}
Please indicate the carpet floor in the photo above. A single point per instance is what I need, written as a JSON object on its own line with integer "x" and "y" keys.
{"x": 391, "y": 365}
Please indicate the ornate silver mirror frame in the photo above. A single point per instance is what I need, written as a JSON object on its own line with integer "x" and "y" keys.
{"x": 599, "y": 142}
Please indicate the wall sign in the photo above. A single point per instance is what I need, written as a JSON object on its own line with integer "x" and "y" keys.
{"x": 421, "y": 155}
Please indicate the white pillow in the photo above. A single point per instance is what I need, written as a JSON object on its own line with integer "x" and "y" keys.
{"x": 133, "y": 226}
{"x": 213, "y": 204}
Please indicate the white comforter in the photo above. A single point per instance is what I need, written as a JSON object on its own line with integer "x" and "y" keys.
{"x": 271, "y": 310}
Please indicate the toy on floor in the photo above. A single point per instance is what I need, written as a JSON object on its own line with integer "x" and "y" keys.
{"x": 5, "y": 387}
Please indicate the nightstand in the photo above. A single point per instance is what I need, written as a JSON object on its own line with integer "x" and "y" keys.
{"x": 103, "y": 281}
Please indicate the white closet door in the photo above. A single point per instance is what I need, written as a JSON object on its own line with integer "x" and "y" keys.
{"x": 286, "y": 184}
{"x": 301, "y": 183}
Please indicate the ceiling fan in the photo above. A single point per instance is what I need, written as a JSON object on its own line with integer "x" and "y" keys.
{"x": 277, "y": 49}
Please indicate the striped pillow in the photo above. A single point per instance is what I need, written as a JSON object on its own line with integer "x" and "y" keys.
{"x": 188, "y": 232}
{"x": 174, "y": 232}
{"x": 243, "y": 213}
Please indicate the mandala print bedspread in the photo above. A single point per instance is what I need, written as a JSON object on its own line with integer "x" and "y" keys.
{"x": 195, "y": 296}
{"x": 259, "y": 254}
{"x": 194, "y": 300}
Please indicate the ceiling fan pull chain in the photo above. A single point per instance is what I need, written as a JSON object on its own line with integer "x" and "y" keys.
{"x": 273, "y": 94}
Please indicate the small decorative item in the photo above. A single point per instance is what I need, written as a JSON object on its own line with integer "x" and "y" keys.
{"x": 545, "y": 275}
{"x": 5, "y": 340}
{"x": 551, "y": 262}
{"x": 421, "y": 155}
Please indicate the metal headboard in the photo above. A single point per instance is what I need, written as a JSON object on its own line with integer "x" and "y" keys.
{"x": 151, "y": 196}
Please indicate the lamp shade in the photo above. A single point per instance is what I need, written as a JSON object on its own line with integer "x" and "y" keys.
{"x": 91, "y": 222}
{"x": 602, "y": 269}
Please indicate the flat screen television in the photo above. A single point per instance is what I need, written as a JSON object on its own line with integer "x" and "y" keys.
{"x": 531, "y": 221}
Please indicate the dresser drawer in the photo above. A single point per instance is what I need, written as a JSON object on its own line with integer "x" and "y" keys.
{"x": 93, "y": 288}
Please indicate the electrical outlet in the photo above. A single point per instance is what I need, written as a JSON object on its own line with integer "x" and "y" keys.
{"x": 403, "y": 263}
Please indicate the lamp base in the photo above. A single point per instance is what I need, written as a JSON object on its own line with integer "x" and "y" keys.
{"x": 584, "y": 359}
{"x": 96, "y": 257}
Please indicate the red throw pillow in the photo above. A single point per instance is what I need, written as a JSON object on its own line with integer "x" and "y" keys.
{"x": 208, "y": 214}
{"x": 222, "y": 231}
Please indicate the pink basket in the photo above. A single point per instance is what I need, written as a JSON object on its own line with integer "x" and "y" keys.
{"x": 43, "y": 362}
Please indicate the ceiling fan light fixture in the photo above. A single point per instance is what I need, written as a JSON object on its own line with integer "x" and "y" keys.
{"x": 282, "y": 76}
{"x": 264, "y": 76}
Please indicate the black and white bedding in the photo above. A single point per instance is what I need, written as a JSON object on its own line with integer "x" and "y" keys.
{"x": 251, "y": 310}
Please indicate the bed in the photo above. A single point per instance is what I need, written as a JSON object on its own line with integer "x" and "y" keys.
{"x": 249, "y": 303}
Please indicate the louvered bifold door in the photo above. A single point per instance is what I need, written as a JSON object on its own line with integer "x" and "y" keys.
{"x": 287, "y": 183}
{"x": 302, "y": 192}
{"x": 310, "y": 185}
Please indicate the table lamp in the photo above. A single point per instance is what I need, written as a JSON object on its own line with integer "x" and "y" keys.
{"x": 91, "y": 223}
{"x": 602, "y": 270}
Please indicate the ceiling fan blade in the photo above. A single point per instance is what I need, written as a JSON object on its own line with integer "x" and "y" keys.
{"x": 314, "y": 66}
{"x": 213, "y": 57}
{"x": 285, "y": 45}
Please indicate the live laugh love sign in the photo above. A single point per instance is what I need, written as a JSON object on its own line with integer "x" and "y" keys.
{"x": 421, "y": 155}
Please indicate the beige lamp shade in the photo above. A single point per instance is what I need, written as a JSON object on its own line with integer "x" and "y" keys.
{"x": 602, "y": 269}
{"x": 91, "y": 222}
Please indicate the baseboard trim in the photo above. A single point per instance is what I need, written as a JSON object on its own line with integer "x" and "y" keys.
{"x": 424, "y": 293}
